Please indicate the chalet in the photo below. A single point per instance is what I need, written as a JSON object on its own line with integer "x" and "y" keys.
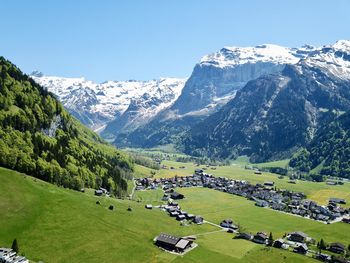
{"x": 331, "y": 183}
{"x": 301, "y": 248}
{"x": 279, "y": 243}
{"x": 298, "y": 236}
{"x": 198, "y": 220}
{"x": 338, "y": 248}
{"x": 226, "y": 223}
{"x": 103, "y": 190}
{"x": 176, "y": 196}
{"x": 337, "y": 200}
{"x": 260, "y": 238}
{"x": 261, "y": 203}
{"x": 245, "y": 235}
{"x": 180, "y": 217}
{"x": 323, "y": 257}
{"x": 346, "y": 220}
{"x": 172, "y": 243}
{"x": 270, "y": 184}
{"x": 98, "y": 192}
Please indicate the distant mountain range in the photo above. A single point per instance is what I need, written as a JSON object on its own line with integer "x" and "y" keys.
{"x": 124, "y": 105}
{"x": 214, "y": 82}
{"x": 266, "y": 102}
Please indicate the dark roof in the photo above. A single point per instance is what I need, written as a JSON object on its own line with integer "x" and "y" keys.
{"x": 299, "y": 233}
{"x": 337, "y": 244}
{"x": 337, "y": 200}
{"x": 169, "y": 239}
{"x": 176, "y": 194}
{"x": 260, "y": 235}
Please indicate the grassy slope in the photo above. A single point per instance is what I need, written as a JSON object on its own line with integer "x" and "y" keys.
{"x": 59, "y": 225}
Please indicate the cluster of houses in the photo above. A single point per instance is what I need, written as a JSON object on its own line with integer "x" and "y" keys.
{"x": 297, "y": 242}
{"x": 8, "y": 255}
{"x": 264, "y": 195}
{"x": 174, "y": 210}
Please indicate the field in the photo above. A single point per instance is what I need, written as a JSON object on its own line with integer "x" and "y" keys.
{"x": 60, "y": 225}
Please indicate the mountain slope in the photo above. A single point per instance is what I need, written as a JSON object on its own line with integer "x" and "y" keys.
{"x": 275, "y": 114}
{"x": 329, "y": 149}
{"x": 39, "y": 137}
{"x": 95, "y": 104}
{"x": 214, "y": 81}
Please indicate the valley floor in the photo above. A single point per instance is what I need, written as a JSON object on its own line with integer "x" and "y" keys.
{"x": 53, "y": 224}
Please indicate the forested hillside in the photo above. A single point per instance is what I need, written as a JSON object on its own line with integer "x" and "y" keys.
{"x": 39, "y": 137}
{"x": 330, "y": 150}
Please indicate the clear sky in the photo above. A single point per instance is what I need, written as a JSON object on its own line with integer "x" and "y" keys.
{"x": 119, "y": 40}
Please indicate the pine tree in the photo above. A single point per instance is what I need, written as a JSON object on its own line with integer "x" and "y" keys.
{"x": 15, "y": 245}
{"x": 322, "y": 244}
{"x": 270, "y": 240}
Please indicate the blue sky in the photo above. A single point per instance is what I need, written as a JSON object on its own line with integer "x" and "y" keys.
{"x": 119, "y": 40}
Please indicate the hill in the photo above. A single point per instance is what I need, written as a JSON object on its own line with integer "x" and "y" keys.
{"x": 39, "y": 137}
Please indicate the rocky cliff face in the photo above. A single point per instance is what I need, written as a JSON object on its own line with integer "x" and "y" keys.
{"x": 275, "y": 114}
{"x": 214, "y": 81}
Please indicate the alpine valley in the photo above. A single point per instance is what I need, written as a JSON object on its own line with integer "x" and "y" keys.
{"x": 268, "y": 102}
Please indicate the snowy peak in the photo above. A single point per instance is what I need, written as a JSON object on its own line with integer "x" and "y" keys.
{"x": 332, "y": 59}
{"x": 233, "y": 56}
{"x": 95, "y": 104}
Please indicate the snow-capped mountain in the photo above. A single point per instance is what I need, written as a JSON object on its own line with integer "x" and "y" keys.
{"x": 96, "y": 104}
{"x": 276, "y": 114}
{"x": 214, "y": 81}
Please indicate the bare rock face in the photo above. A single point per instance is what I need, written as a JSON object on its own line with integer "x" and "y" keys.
{"x": 214, "y": 81}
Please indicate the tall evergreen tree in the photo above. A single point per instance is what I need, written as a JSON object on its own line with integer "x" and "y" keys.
{"x": 15, "y": 246}
{"x": 270, "y": 240}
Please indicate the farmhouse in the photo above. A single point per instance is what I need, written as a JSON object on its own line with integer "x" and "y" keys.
{"x": 98, "y": 192}
{"x": 269, "y": 183}
{"x": 337, "y": 200}
{"x": 301, "y": 248}
{"x": 228, "y": 223}
{"x": 279, "y": 243}
{"x": 245, "y": 235}
{"x": 298, "y": 236}
{"x": 176, "y": 196}
{"x": 173, "y": 243}
{"x": 260, "y": 238}
{"x": 198, "y": 220}
{"x": 338, "y": 248}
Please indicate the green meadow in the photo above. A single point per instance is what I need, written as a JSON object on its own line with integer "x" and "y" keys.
{"x": 54, "y": 224}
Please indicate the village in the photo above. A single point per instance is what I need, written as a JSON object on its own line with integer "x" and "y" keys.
{"x": 264, "y": 195}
